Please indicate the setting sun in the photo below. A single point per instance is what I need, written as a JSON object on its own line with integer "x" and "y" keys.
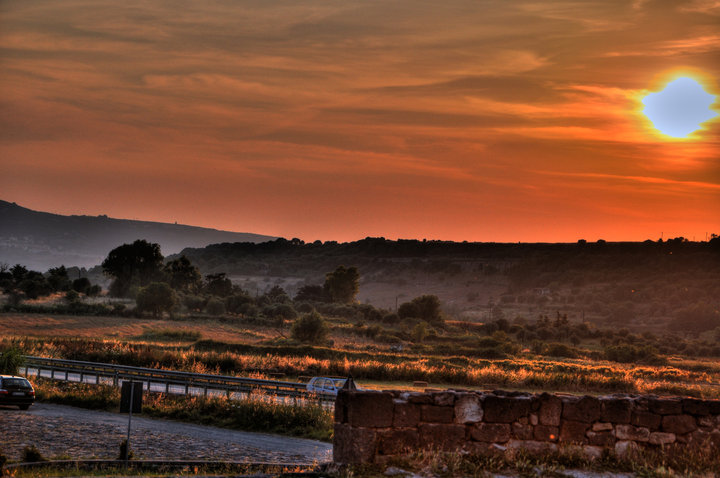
{"x": 680, "y": 108}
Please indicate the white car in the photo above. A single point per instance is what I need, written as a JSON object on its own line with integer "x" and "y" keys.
{"x": 327, "y": 385}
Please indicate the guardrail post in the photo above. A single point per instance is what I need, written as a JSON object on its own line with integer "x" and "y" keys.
{"x": 167, "y": 387}
{"x": 81, "y": 377}
{"x": 115, "y": 379}
{"x": 52, "y": 373}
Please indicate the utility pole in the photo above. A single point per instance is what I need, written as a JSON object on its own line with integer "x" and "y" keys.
{"x": 127, "y": 441}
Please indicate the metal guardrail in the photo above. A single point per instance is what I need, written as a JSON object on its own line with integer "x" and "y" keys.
{"x": 186, "y": 381}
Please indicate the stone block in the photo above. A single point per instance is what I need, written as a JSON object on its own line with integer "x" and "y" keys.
{"x": 441, "y": 436}
{"x": 490, "y": 432}
{"x": 604, "y": 438}
{"x": 593, "y": 453}
{"x": 602, "y": 427}
{"x": 626, "y": 449}
{"x": 534, "y": 419}
{"x": 705, "y": 440}
{"x": 630, "y": 432}
{"x": 660, "y": 438}
{"x": 616, "y": 410}
{"x": 475, "y": 448}
{"x": 397, "y": 441}
{"x": 406, "y": 414}
{"x": 418, "y": 397}
{"x": 444, "y": 399}
{"x": 693, "y": 406}
{"x": 522, "y": 431}
{"x": 550, "y": 410}
{"x": 586, "y": 409}
{"x": 573, "y": 432}
{"x": 665, "y": 406}
{"x": 370, "y": 409}
{"x": 648, "y": 420}
{"x": 505, "y": 409}
{"x": 546, "y": 433}
{"x": 708, "y": 423}
{"x": 353, "y": 445}
{"x": 679, "y": 424}
{"x": 468, "y": 409}
{"x": 436, "y": 414}
{"x": 531, "y": 446}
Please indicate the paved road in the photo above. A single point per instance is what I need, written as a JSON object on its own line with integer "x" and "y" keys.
{"x": 75, "y": 433}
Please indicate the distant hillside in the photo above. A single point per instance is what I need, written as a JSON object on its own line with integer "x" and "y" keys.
{"x": 41, "y": 240}
{"x": 640, "y": 283}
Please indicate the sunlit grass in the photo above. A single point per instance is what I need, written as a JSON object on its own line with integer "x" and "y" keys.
{"x": 400, "y": 371}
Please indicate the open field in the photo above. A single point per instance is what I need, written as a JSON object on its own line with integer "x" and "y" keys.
{"x": 238, "y": 348}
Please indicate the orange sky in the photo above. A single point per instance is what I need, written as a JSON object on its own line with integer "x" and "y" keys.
{"x": 462, "y": 120}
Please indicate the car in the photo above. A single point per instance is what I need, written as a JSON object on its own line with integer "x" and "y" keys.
{"x": 16, "y": 391}
{"x": 327, "y": 385}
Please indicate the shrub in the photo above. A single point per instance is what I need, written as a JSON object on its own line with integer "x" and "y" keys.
{"x": 71, "y": 296}
{"x": 215, "y": 306}
{"x": 31, "y": 454}
{"x": 124, "y": 455}
{"x": 280, "y": 311}
{"x": 626, "y": 353}
{"x": 11, "y": 360}
{"x": 156, "y": 298}
{"x": 310, "y": 328}
{"x": 560, "y": 350}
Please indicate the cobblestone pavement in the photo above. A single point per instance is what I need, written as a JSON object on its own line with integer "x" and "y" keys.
{"x": 72, "y": 433}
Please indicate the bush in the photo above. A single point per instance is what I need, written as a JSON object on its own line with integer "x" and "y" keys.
{"x": 124, "y": 455}
{"x": 156, "y": 298}
{"x": 560, "y": 350}
{"x": 626, "y": 353}
{"x": 11, "y": 360}
{"x": 215, "y": 306}
{"x": 31, "y": 454}
{"x": 310, "y": 328}
{"x": 280, "y": 311}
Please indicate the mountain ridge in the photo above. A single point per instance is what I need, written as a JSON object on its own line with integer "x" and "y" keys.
{"x": 40, "y": 240}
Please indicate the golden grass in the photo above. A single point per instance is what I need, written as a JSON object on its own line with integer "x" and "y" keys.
{"x": 120, "y": 337}
{"x": 121, "y": 328}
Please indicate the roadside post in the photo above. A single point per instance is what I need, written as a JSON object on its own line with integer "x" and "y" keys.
{"x": 131, "y": 396}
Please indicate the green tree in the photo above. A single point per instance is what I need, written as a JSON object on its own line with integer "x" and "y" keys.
{"x": 183, "y": 276}
{"x": 311, "y": 293}
{"x": 81, "y": 285}
{"x": 34, "y": 285}
{"x": 277, "y": 295}
{"x": 218, "y": 284}
{"x": 137, "y": 264}
{"x": 310, "y": 328}
{"x": 342, "y": 284}
{"x": 425, "y": 307}
{"x": 58, "y": 279}
{"x": 156, "y": 298}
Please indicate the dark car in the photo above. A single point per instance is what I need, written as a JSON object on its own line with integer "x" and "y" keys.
{"x": 16, "y": 391}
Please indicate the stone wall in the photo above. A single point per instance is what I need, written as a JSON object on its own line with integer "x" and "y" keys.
{"x": 372, "y": 426}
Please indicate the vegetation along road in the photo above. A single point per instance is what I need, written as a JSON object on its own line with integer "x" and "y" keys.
{"x": 63, "y": 432}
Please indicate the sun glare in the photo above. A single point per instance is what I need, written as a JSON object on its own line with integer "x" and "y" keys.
{"x": 679, "y": 109}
